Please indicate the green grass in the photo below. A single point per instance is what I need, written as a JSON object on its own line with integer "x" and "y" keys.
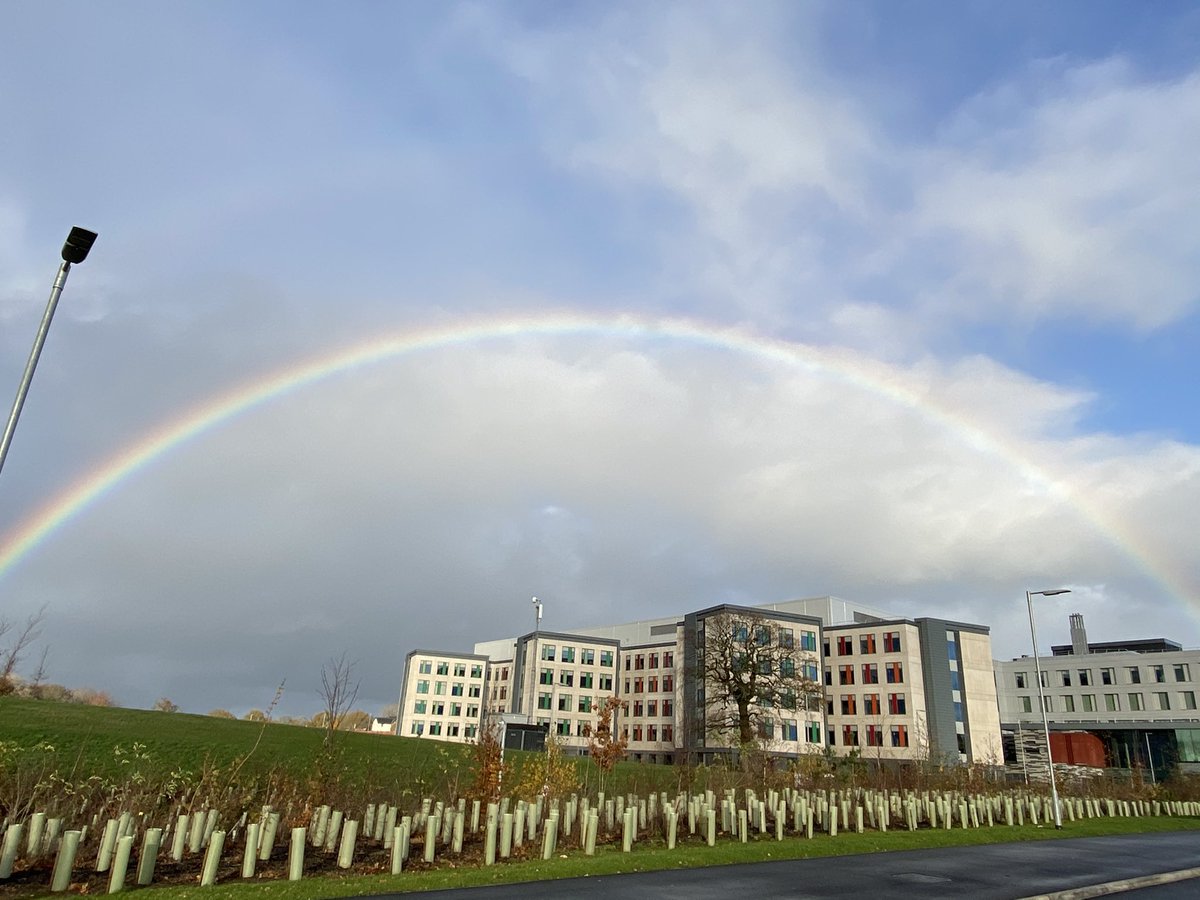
{"x": 652, "y": 856}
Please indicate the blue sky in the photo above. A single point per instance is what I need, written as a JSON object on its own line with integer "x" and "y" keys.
{"x": 988, "y": 207}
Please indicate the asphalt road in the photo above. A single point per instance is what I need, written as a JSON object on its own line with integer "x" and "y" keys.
{"x": 1001, "y": 871}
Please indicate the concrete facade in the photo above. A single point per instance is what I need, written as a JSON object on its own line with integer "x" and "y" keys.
{"x": 442, "y": 695}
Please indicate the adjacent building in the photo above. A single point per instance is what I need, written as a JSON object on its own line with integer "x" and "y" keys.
{"x": 442, "y": 695}
{"x": 1123, "y": 704}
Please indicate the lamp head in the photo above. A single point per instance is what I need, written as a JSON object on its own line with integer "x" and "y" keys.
{"x": 79, "y": 243}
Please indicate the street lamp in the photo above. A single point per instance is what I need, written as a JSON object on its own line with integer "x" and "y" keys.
{"x": 1037, "y": 666}
{"x": 75, "y": 250}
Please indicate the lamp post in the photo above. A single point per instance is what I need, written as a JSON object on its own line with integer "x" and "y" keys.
{"x": 1037, "y": 666}
{"x": 75, "y": 250}
{"x": 537, "y": 615}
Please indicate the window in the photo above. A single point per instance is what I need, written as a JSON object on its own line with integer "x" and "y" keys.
{"x": 422, "y": 687}
{"x": 1135, "y": 674}
{"x": 896, "y": 704}
{"x": 639, "y": 686}
{"x": 652, "y": 707}
{"x": 845, "y": 674}
{"x": 808, "y": 641}
{"x": 1089, "y": 702}
{"x": 845, "y": 646}
{"x": 668, "y": 659}
{"x": 829, "y": 676}
{"x": 456, "y": 709}
{"x": 667, "y": 707}
{"x": 606, "y": 683}
{"x": 456, "y": 689}
{"x": 548, "y": 652}
{"x": 419, "y": 707}
{"x": 1162, "y": 700}
{"x": 472, "y": 712}
{"x": 899, "y": 735}
{"x": 443, "y": 668}
{"x": 652, "y": 661}
{"x": 426, "y": 667}
{"x": 766, "y": 729}
{"x": 762, "y": 635}
{"x": 435, "y": 728}
{"x": 668, "y": 733}
{"x": 566, "y": 677}
{"x": 787, "y": 638}
{"x": 870, "y": 673}
{"x": 849, "y": 707}
{"x": 475, "y": 690}
{"x": 1159, "y": 675}
{"x": 871, "y": 704}
{"x": 895, "y": 673}
{"x": 812, "y": 732}
{"x": 460, "y": 670}
{"x": 787, "y": 699}
{"x": 668, "y": 682}
{"x": 850, "y": 735}
{"x": 956, "y": 682}
{"x": 1022, "y": 678}
{"x": 564, "y": 702}
{"x": 1064, "y": 676}
{"x": 787, "y": 667}
{"x": 585, "y": 680}
{"x": 1182, "y": 673}
{"x": 585, "y": 704}
{"x": 606, "y": 658}
{"x": 1068, "y": 703}
{"x": 587, "y": 656}
{"x": 544, "y": 701}
{"x": 1085, "y": 677}
{"x": 866, "y": 644}
{"x": 563, "y": 727}
{"x": 637, "y": 732}
{"x": 567, "y": 655}
{"x": 1026, "y": 704}
{"x": 639, "y": 661}
{"x": 652, "y": 684}
{"x": 1135, "y": 703}
{"x": 1106, "y": 676}
{"x": 891, "y": 642}
{"x": 788, "y": 730}
{"x": 1112, "y": 703}
{"x": 1187, "y": 699}
{"x": 951, "y": 648}
{"x": 503, "y": 692}
{"x": 418, "y": 728}
{"x": 874, "y": 735}
{"x": 476, "y": 671}
{"x": 583, "y": 729}
{"x": 439, "y": 687}
{"x": 764, "y": 666}
{"x": 639, "y": 709}
{"x": 652, "y": 732}
{"x": 470, "y": 732}
{"x": 741, "y": 633}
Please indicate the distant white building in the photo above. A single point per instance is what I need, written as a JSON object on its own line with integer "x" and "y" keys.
{"x": 442, "y": 695}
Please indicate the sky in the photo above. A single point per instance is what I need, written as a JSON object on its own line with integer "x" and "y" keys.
{"x": 403, "y": 313}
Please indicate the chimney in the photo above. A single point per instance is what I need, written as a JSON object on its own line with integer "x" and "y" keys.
{"x": 1079, "y": 641}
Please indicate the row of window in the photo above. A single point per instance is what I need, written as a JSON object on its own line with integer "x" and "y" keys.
{"x": 651, "y": 685}
{"x": 873, "y": 735}
{"x": 425, "y": 667}
{"x": 1156, "y": 674}
{"x": 871, "y": 705}
{"x": 587, "y": 655}
{"x": 893, "y": 673}
{"x": 782, "y": 635}
{"x": 1135, "y": 702}
{"x": 651, "y": 708}
{"x": 789, "y": 731}
{"x": 457, "y": 689}
{"x": 867, "y": 644}
{"x": 438, "y": 708}
{"x": 567, "y": 678}
{"x": 447, "y": 729}
{"x": 566, "y": 702}
{"x": 640, "y": 661}
{"x": 652, "y": 733}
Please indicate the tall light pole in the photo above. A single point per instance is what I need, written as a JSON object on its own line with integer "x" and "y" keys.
{"x": 1037, "y": 666}
{"x": 537, "y": 615}
{"x": 75, "y": 250}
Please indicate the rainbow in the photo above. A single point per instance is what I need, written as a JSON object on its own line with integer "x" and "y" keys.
{"x": 843, "y": 366}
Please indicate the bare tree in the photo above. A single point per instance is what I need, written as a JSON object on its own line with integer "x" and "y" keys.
{"x": 339, "y": 690}
{"x": 748, "y": 666}
{"x": 165, "y": 704}
{"x": 19, "y": 642}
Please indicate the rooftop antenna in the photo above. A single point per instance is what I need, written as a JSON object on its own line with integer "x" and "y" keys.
{"x": 537, "y": 615}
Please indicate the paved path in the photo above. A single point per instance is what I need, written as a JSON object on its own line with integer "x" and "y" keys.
{"x": 999, "y": 871}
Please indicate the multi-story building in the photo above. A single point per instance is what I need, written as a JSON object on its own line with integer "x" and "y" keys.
{"x": 849, "y": 677}
{"x": 1123, "y": 704}
{"x": 442, "y": 695}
